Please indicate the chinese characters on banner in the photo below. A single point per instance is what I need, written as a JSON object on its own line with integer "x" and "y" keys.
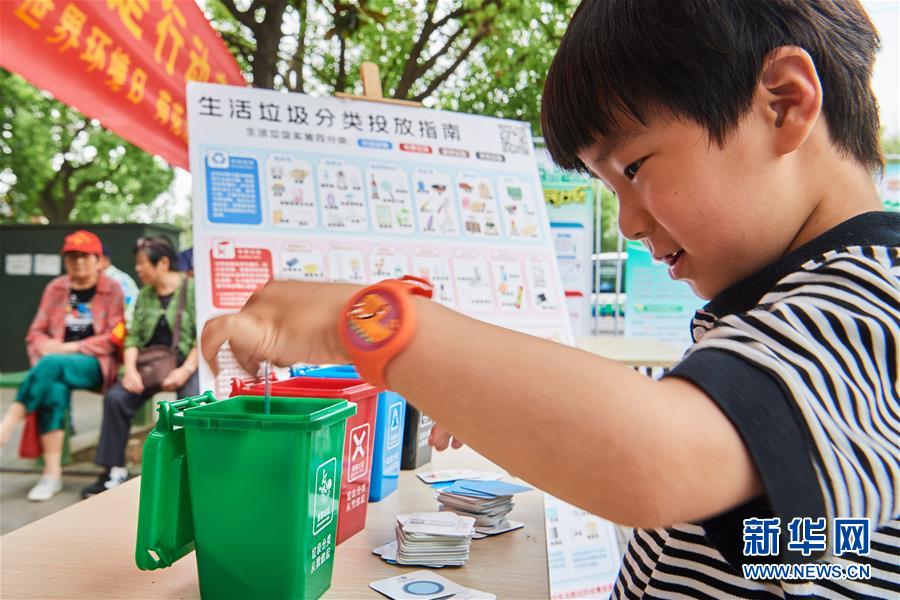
{"x": 323, "y": 189}
{"x": 123, "y": 62}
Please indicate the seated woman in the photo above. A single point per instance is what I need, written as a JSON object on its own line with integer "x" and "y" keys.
{"x": 155, "y": 316}
{"x": 70, "y": 345}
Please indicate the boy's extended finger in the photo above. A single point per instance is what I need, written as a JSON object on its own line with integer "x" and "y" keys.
{"x": 439, "y": 439}
{"x": 216, "y": 332}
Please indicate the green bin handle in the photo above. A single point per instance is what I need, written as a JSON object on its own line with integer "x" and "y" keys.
{"x": 172, "y": 413}
{"x": 165, "y": 522}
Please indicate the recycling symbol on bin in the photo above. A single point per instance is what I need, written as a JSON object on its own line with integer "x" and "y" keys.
{"x": 325, "y": 486}
{"x": 395, "y": 419}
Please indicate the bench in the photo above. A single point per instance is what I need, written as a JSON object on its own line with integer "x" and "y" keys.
{"x": 143, "y": 417}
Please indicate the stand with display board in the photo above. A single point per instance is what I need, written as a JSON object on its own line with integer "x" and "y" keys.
{"x": 289, "y": 186}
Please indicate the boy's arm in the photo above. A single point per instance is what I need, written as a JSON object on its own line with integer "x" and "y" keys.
{"x": 589, "y": 430}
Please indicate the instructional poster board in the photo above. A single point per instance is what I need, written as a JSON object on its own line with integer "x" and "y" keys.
{"x": 583, "y": 552}
{"x": 656, "y": 306}
{"x": 289, "y": 186}
{"x": 890, "y": 185}
{"x": 570, "y": 199}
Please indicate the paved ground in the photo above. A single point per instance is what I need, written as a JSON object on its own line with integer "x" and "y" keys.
{"x": 18, "y": 475}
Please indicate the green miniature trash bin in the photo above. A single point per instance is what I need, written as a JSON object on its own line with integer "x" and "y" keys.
{"x": 256, "y": 493}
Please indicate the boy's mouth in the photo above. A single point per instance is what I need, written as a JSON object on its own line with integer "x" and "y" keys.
{"x": 671, "y": 258}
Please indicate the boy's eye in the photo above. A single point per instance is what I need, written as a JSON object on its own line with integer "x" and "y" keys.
{"x": 632, "y": 169}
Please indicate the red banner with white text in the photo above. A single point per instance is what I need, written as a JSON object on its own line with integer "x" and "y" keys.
{"x": 122, "y": 62}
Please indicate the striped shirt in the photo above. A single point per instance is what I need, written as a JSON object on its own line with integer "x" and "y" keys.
{"x": 802, "y": 357}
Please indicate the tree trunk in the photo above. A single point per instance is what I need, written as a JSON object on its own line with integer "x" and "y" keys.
{"x": 268, "y": 35}
{"x": 341, "y": 83}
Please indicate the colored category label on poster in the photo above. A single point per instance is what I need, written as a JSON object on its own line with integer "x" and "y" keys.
{"x": 237, "y": 272}
{"x": 478, "y": 205}
{"x": 390, "y": 202}
{"x": 509, "y": 282}
{"x": 341, "y": 196}
{"x": 435, "y": 206}
{"x": 346, "y": 264}
{"x": 540, "y": 283}
{"x": 435, "y": 267}
{"x": 473, "y": 284}
{"x": 303, "y": 262}
{"x": 232, "y": 189}
{"x": 387, "y": 263}
{"x": 518, "y": 207}
{"x": 292, "y": 195}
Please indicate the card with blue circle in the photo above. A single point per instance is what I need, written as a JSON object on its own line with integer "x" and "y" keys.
{"x": 418, "y": 585}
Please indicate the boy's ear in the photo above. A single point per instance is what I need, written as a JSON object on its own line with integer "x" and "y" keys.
{"x": 790, "y": 95}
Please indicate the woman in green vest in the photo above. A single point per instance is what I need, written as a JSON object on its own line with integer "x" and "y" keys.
{"x": 156, "y": 314}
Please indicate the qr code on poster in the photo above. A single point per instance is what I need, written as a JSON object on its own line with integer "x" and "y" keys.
{"x": 515, "y": 139}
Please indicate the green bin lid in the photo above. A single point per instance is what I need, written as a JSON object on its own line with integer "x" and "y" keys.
{"x": 165, "y": 522}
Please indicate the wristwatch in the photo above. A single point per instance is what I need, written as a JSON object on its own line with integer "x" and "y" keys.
{"x": 378, "y": 322}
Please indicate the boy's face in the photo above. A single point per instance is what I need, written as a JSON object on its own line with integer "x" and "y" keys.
{"x": 714, "y": 215}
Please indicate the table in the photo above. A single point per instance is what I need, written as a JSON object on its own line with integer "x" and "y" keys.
{"x": 636, "y": 352}
{"x": 87, "y": 550}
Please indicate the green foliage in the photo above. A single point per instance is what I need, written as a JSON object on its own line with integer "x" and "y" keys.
{"x": 609, "y": 219}
{"x": 58, "y": 165}
{"x": 890, "y": 144}
{"x": 480, "y": 56}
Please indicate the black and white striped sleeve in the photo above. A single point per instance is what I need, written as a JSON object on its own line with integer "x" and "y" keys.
{"x": 809, "y": 378}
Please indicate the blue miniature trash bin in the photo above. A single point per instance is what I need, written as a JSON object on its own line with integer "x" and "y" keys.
{"x": 389, "y": 426}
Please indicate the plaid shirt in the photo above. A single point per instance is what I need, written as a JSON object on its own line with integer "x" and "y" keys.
{"x": 108, "y": 312}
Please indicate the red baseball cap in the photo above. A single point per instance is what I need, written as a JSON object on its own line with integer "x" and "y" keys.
{"x": 82, "y": 241}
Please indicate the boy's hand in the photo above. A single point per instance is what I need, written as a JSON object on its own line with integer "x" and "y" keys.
{"x": 440, "y": 438}
{"x": 286, "y": 322}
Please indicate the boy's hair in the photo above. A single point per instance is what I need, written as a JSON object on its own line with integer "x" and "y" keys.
{"x": 701, "y": 60}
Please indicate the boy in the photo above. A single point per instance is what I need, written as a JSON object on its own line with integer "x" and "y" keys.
{"x": 740, "y": 137}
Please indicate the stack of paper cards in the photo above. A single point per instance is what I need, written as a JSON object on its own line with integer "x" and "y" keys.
{"x": 488, "y": 502}
{"x": 430, "y": 539}
{"x": 430, "y": 477}
{"x": 425, "y": 585}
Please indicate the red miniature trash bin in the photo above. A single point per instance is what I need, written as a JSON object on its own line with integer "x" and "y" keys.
{"x": 358, "y": 441}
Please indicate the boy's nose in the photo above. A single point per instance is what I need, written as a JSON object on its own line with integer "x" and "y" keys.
{"x": 634, "y": 223}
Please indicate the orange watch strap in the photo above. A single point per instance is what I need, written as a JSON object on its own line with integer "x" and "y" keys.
{"x": 378, "y": 322}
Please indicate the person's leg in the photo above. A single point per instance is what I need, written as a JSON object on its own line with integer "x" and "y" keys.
{"x": 191, "y": 387}
{"x": 14, "y": 415}
{"x": 51, "y": 479}
{"x": 29, "y": 394}
{"x": 60, "y": 373}
{"x": 52, "y": 449}
{"x": 119, "y": 407}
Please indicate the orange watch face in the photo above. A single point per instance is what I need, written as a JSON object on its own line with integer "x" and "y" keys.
{"x": 373, "y": 319}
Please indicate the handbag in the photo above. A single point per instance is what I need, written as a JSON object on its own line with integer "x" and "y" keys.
{"x": 30, "y": 444}
{"x": 154, "y": 363}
